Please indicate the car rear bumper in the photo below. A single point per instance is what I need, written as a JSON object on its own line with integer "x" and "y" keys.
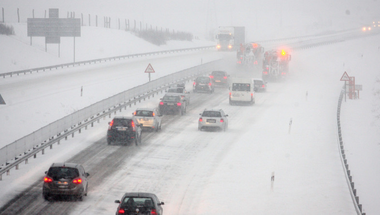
{"x": 78, "y": 190}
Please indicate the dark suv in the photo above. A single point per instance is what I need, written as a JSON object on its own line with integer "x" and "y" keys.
{"x": 124, "y": 129}
{"x": 172, "y": 103}
{"x": 203, "y": 84}
{"x": 219, "y": 78}
{"x": 139, "y": 203}
{"x": 68, "y": 179}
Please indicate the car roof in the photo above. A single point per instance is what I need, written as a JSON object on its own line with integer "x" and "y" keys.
{"x": 124, "y": 117}
{"x": 209, "y": 109}
{"x": 258, "y": 79}
{"x": 71, "y": 165}
{"x": 172, "y": 94}
{"x": 219, "y": 71}
{"x": 139, "y": 194}
{"x": 149, "y": 109}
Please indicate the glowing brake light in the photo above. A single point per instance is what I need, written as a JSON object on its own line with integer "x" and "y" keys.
{"x": 283, "y": 52}
{"x": 121, "y": 211}
{"x": 48, "y": 180}
{"x": 263, "y": 86}
{"x": 283, "y": 73}
{"x": 265, "y": 73}
{"x": 111, "y": 123}
{"x": 230, "y": 46}
{"x": 255, "y": 62}
{"x": 179, "y": 104}
{"x": 133, "y": 125}
{"x": 134, "y": 113}
{"x": 161, "y": 103}
{"x": 209, "y": 84}
{"x": 211, "y": 76}
{"x": 153, "y": 114}
{"x": 221, "y": 120}
{"x": 194, "y": 83}
{"x": 200, "y": 120}
{"x": 225, "y": 77}
{"x": 218, "y": 46}
{"x": 153, "y": 212}
{"x": 251, "y": 95}
{"x": 77, "y": 181}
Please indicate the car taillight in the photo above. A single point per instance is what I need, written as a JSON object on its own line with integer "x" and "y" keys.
{"x": 225, "y": 77}
{"x": 77, "y": 181}
{"x": 134, "y": 113}
{"x": 255, "y": 62}
{"x": 179, "y": 104}
{"x": 283, "y": 73}
{"x": 161, "y": 103}
{"x": 48, "y": 180}
{"x": 153, "y": 212}
{"x": 230, "y": 94}
{"x": 267, "y": 68}
{"x": 211, "y": 76}
{"x": 121, "y": 211}
{"x": 265, "y": 72}
{"x": 221, "y": 120}
{"x": 263, "y": 86}
{"x": 153, "y": 114}
{"x": 111, "y": 123}
{"x": 200, "y": 119}
{"x": 251, "y": 95}
{"x": 209, "y": 84}
{"x": 133, "y": 125}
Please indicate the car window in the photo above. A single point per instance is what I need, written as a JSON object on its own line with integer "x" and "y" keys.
{"x": 170, "y": 98}
{"x": 138, "y": 202}
{"x": 121, "y": 122}
{"x": 241, "y": 87}
{"x": 218, "y": 73}
{"x": 144, "y": 113}
{"x": 203, "y": 80}
{"x": 63, "y": 172}
{"x": 211, "y": 114}
{"x": 258, "y": 82}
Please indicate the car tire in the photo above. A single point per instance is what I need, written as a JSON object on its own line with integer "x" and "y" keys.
{"x": 46, "y": 196}
{"x": 199, "y": 128}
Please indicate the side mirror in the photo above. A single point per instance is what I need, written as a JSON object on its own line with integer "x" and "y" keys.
{"x": 226, "y": 115}
{"x": 160, "y": 98}
{"x": 109, "y": 123}
{"x": 87, "y": 174}
{"x": 45, "y": 172}
{"x": 133, "y": 113}
{"x": 117, "y": 201}
{"x": 161, "y": 203}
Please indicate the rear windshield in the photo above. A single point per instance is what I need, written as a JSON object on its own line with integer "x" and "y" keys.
{"x": 203, "y": 80}
{"x": 138, "y": 202}
{"x": 218, "y": 73}
{"x": 241, "y": 87}
{"x": 175, "y": 90}
{"x": 258, "y": 82}
{"x": 57, "y": 173}
{"x": 171, "y": 98}
{"x": 144, "y": 113}
{"x": 211, "y": 114}
{"x": 121, "y": 122}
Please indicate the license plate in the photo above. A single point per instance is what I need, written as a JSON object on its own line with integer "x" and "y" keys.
{"x": 211, "y": 120}
{"x": 60, "y": 182}
{"x": 236, "y": 95}
{"x": 145, "y": 119}
{"x": 122, "y": 128}
{"x": 217, "y": 80}
{"x": 170, "y": 103}
{"x": 62, "y": 187}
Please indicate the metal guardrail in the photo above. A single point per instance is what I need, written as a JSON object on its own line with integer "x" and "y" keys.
{"x": 21, "y": 150}
{"x": 36, "y": 70}
{"x": 350, "y": 182}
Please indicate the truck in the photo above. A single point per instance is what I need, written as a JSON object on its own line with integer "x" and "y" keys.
{"x": 276, "y": 64}
{"x": 230, "y": 37}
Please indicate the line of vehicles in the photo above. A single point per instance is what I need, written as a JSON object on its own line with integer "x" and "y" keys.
{"x": 71, "y": 179}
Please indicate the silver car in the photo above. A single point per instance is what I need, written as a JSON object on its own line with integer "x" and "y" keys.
{"x": 149, "y": 118}
{"x": 213, "y": 119}
{"x": 185, "y": 95}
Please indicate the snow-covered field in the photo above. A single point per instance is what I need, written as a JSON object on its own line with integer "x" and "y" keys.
{"x": 226, "y": 172}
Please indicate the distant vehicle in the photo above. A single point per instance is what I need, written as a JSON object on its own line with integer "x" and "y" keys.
{"x": 219, "y": 78}
{"x": 259, "y": 85}
{"x": 180, "y": 89}
{"x": 229, "y": 37}
{"x": 124, "y": 129}
{"x": 203, "y": 84}
{"x": 65, "y": 179}
{"x": 276, "y": 64}
{"x": 149, "y": 118}
{"x": 139, "y": 203}
{"x": 172, "y": 103}
{"x": 241, "y": 91}
{"x": 213, "y": 118}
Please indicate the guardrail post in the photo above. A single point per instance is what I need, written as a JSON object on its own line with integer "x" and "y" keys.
{"x": 35, "y": 155}
{"x": 92, "y": 124}
{"x": 73, "y": 134}
{"x": 8, "y": 172}
{"x": 1, "y": 177}
{"x": 66, "y": 138}
{"x": 26, "y": 161}
{"x": 85, "y": 127}
{"x": 43, "y": 151}
{"x": 59, "y": 142}
{"x": 80, "y": 130}
{"x": 357, "y": 199}
{"x": 16, "y": 166}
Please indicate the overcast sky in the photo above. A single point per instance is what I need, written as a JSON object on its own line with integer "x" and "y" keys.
{"x": 201, "y": 16}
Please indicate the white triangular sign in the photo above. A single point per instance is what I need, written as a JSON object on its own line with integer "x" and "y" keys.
{"x": 149, "y": 69}
{"x": 345, "y": 77}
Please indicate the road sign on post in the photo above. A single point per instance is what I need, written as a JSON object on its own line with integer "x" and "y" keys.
{"x": 149, "y": 70}
{"x": 345, "y": 78}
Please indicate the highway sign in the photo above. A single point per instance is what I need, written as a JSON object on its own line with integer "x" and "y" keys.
{"x": 149, "y": 69}
{"x": 345, "y": 77}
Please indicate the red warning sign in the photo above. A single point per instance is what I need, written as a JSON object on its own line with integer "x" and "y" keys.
{"x": 149, "y": 69}
{"x": 345, "y": 77}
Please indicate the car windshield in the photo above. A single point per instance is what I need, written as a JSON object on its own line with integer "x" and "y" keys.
{"x": 144, "y": 113}
{"x": 211, "y": 114}
{"x": 171, "y": 98}
{"x": 258, "y": 82}
{"x": 203, "y": 80}
{"x": 218, "y": 73}
{"x": 57, "y": 173}
{"x": 241, "y": 87}
{"x": 138, "y": 202}
{"x": 175, "y": 90}
{"x": 121, "y": 122}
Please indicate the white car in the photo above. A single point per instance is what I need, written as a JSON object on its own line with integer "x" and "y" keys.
{"x": 149, "y": 118}
{"x": 213, "y": 119}
{"x": 185, "y": 95}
